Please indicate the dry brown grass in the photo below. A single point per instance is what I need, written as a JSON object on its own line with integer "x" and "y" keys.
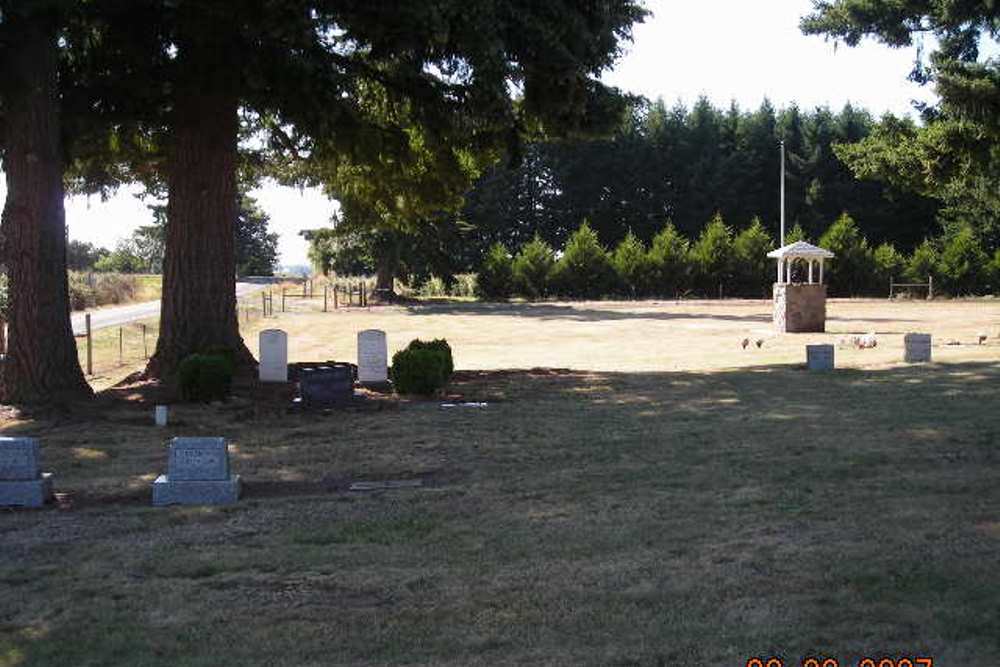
{"x": 627, "y": 517}
{"x": 635, "y": 336}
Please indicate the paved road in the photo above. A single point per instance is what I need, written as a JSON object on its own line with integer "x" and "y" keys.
{"x": 119, "y": 315}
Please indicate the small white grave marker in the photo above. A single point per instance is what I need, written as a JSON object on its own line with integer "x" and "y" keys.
{"x": 273, "y": 356}
{"x": 373, "y": 357}
{"x": 161, "y": 415}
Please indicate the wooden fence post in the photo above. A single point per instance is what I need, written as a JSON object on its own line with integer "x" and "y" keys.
{"x": 325, "y": 291}
{"x": 121, "y": 345}
{"x": 90, "y": 346}
{"x": 282, "y": 299}
{"x": 145, "y": 350}
{"x": 891, "y": 286}
{"x": 930, "y": 287}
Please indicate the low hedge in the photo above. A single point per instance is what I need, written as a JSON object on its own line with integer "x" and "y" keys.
{"x": 423, "y": 367}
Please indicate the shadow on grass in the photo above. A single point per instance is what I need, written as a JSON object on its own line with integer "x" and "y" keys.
{"x": 579, "y": 313}
{"x": 582, "y": 518}
{"x": 589, "y": 311}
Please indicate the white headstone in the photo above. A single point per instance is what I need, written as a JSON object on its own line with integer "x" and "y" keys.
{"x": 373, "y": 356}
{"x": 819, "y": 357}
{"x": 273, "y": 356}
{"x": 161, "y": 415}
{"x": 917, "y": 348}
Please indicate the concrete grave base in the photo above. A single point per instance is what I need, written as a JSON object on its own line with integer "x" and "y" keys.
{"x": 799, "y": 308}
{"x": 27, "y": 493}
{"x": 201, "y": 492}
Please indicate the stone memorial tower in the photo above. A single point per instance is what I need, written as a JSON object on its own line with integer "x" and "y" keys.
{"x": 800, "y": 307}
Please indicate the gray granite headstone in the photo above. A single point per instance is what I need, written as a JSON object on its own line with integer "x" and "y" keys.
{"x": 197, "y": 474}
{"x": 917, "y": 348}
{"x": 198, "y": 459}
{"x": 21, "y": 482}
{"x": 819, "y": 357}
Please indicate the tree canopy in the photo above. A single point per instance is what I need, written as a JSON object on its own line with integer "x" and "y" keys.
{"x": 955, "y": 155}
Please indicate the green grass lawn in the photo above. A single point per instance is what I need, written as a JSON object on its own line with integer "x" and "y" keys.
{"x": 582, "y": 518}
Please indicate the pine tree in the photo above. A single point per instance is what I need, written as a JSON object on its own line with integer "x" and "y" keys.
{"x": 42, "y": 363}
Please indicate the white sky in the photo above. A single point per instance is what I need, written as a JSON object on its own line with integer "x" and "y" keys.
{"x": 741, "y": 50}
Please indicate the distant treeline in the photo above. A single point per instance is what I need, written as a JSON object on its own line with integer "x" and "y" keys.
{"x": 686, "y": 165}
{"x": 721, "y": 261}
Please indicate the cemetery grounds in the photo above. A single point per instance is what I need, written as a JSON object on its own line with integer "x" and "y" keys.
{"x": 639, "y": 490}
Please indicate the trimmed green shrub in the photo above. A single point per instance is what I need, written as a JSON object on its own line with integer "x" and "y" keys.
{"x": 963, "y": 263}
{"x": 794, "y": 234}
{"x": 496, "y": 275}
{"x": 441, "y": 347}
{"x": 923, "y": 262}
{"x": 533, "y": 268}
{"x": 713, "y": 256}
{"x": 422, "y": 368}
{"x": 205, "y": 377}
{"x": 669, "y": 262}
{"x": 754, "y": 271}
{"x": 889, "y": 264}
{"x": 852, "y": 271}
{"x": 632, "y": 266}
{"x": 584, "y": 270}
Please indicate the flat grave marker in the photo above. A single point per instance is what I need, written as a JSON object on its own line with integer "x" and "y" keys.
{"x": 820, "y": 357}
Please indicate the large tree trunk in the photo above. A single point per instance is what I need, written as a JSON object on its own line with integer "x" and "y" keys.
{"x": 42, "y": 363}
{"x": 385, "y": 280}
{"x": 198, "y": 309}
{"x": 387, "y": 251}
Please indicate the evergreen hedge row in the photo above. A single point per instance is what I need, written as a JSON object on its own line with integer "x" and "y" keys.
{"x": 732, "y": 263}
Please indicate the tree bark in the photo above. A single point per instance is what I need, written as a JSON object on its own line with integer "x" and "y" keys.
{"x": 42, "y": 363}
{"x": 198, "y": 309}
{"x": 387, "y": 253}
{"x": 385, "y": 283}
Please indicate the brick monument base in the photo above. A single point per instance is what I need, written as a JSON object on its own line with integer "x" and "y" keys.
{"x": 799, "y": 308}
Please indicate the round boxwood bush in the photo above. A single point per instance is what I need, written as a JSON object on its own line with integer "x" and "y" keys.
{"x": 205, "y": 377}
{"x": 439, "y": 345}
{"x": 422, "y": 368}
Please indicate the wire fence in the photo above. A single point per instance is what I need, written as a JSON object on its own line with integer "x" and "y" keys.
{"x": 103, "y": 351}
{"x": 110, "y": 353}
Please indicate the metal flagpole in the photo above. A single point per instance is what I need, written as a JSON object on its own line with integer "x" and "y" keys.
{"x": 782, "y": 193}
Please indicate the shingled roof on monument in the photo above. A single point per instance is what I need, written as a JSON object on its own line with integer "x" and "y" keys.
{"x": 801, "y": 249}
